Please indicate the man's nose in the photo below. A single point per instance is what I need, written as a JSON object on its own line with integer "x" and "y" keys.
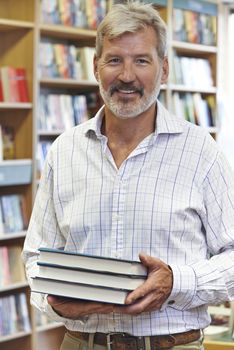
{"x": 127, "y": 73}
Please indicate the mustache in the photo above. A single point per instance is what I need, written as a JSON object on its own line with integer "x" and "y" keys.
{"x": 126, "y": 87}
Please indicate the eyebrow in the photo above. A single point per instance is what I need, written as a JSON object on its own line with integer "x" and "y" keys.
{"x": 110, "y": 55}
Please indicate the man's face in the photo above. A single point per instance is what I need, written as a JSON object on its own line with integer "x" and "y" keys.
{"x": 130, "y": 73}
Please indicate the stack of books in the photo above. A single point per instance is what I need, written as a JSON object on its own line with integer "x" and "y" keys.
{"x": 87, "y": 277}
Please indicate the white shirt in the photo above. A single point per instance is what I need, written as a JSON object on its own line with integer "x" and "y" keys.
{"x": 172, "y": 198}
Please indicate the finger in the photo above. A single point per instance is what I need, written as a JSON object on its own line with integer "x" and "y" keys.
{"x": 150, "y": 262}
{"x": 138, "y": 307}
{"x": 56, "y": 300}
{"x": 140, "y": 292}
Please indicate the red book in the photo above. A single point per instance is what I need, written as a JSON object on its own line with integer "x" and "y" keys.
{"x": 22, "y": 85}
{"x": 13, "y": 85}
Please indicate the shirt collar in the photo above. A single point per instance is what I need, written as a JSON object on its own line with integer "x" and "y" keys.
{"x": 166, "y": 122}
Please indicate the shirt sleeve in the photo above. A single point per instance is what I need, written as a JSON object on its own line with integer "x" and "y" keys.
{"x": 211, "y": 279}
{"x": 43, "y": 231}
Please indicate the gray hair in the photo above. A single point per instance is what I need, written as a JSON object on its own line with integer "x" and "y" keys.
{"x": 130, "y": 18}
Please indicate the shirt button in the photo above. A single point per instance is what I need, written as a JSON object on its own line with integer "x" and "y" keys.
{"x": 171, "y": 302}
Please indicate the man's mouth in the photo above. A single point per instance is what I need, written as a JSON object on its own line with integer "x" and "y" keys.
{"x": 126, "y": 89}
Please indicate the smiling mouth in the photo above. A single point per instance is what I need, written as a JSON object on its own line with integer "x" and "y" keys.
{"x": 127, "y": 90}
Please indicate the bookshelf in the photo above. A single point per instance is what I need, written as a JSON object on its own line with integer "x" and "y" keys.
{"x": 192, "y": 50}
{"x": 23, "y": 28}
{"x": 17, "y": 29}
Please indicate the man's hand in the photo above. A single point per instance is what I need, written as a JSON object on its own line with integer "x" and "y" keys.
{"x": 153, "y": 292}
{"x": 73, "y": 308}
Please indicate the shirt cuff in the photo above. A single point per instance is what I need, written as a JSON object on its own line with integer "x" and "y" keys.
{"x": 184, "y": 288}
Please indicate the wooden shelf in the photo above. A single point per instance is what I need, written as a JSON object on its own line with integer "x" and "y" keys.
{"x": 12, "y": 287}
{"x": 7, "y": 25}
{"x": 14, "y": 105}
{"x": 68, "y": 83}
{"x": 12, "y": 236}
{"x": 218, "y": 345}
{"x": 68, "y": 33}
{"x": 15, "y": 172}
{"x": 184, "y": 88}
{"x": 189, "y": 47}
{"x": 6, "y": 338}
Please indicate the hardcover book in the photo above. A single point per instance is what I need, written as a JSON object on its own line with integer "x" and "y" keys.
{"x": 92, "y": 262}
{"x": 51, "y": 271}
{"x": 87, "y": 277}
{"x": 79, "y": 290}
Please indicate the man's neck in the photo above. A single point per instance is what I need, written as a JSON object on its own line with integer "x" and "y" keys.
{"x": 125, "y": 134}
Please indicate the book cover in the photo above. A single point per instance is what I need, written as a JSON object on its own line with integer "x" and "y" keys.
{"x": 22, "y": 85}
{"x": 52, "y": 271}
{"x": 13, "y": 85}
{"x": 8, "y": 142}
{"x": 17, "y": 271}
{"x": 93, "y": 262}
{"x": 5, "y": 84}
{"x": 79, "y": 291}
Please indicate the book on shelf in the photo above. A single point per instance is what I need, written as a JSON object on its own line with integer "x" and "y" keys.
{"x": 7, "y": 143}
{"x": 14, "y": 316}
{"x": 82, "y": 13}
{"x": 194, "y": 27}
{"x": 192, "y": 71}
{"x": 11, "y": 265}
{"x": 5, "y": 277}
{"x": 195, "y": 108}
{"x": 13, "y": 214}
{"x": 60, "y": 60}
{"x": 87, "y": 277}
{"x": 22, "y": 84}
{"x": 14, "y": 84}
{"x": 61, "y": 111}
{"x": 86, "y": 55}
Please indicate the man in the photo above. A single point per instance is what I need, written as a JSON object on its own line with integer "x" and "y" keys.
{"x": 137, "y": 182}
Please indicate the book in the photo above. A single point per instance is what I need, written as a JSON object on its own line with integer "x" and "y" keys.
{"x": 5, "y": 84}
{"x": 51, "y": 271}
{"x": 8, "y": 142}
{"x": 86, "y": 55}
{"x": 91, "y": 262}
{"x": 17, "y": 271}
{"x": 22, "y": 85}
{"x": 12, "y": 213}
{"x": 79, "y": 290}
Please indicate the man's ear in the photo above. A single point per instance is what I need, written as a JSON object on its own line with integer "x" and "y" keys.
{"x": 95, "y": 67}
{"x": 165, "y": 70}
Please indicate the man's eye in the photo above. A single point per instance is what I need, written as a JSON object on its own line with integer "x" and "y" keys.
{"x": 114, "y": 60}
{"x": 142, "y": 61}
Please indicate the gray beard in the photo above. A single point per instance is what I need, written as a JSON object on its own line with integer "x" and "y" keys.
{"x": 128, "y": 109}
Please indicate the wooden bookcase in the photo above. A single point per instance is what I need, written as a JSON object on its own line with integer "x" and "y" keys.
{"x": 17, "y": 30}
{"x": 21, "y": 31}
{"x": 183, "y": 48}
